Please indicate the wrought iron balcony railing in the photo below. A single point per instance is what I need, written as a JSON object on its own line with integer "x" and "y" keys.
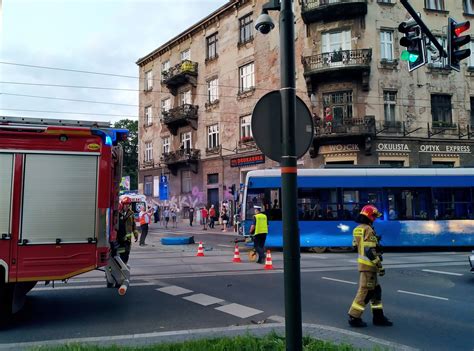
{"x": 347, "y": 126}
{"x": 327, "y": 10}
{"x": 337, "y": 59}
{"x": 181, "y": 156}
{"x": 181, "y": 116}
{"x": 182, "y": 73}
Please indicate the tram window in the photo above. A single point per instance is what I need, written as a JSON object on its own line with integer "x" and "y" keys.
{"x": 268, "y": 199}
{"x": 408, "y": 204}
{"x": 354, "y": 200}
{"x": 452, "y": 203}
{"x": 317, "y": 204}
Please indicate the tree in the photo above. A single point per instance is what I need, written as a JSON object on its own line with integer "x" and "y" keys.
{"x": 130, "y": 150}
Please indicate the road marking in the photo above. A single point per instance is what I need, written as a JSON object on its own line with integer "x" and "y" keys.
{"x": 424, "y": 295}
{"x": 338, "y": 280}
{"x": 174, "y": 290}
{"x": 441, "y": 272}
{"x": 203, "y": 299}
{"x": 238, "y": 310}
{"x": 223, "y": 245}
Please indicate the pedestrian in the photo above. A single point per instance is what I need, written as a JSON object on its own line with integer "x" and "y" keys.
{"x": 259, "y": 230}
{"x": 204, "y": 216}
{"x": 174, "y": 217}
{"x": 166, "y": 215}
{"x": 224, "y": 218}
{"x": 156, "y": 214}
{"x": 212, "y": 216}
{"x": 370, "y": 264}
{"x": 144, "y": 218}
{"x": 191, "y": 216}
{"x": 127, "y": 229}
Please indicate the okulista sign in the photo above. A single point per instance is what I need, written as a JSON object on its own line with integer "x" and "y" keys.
{"x": 247, "y": 161}
{"x": 392, "y": 147}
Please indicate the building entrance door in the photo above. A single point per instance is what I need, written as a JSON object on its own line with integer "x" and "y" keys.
{"x": 213, "y": 197}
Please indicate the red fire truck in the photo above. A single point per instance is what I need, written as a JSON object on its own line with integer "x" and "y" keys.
{"x": 59, "y": 191}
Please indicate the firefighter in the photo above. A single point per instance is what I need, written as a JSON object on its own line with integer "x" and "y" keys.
{"x": 259, "y": 229}
{"x": 127, "y": 229}
{"x": 370, "y": 265}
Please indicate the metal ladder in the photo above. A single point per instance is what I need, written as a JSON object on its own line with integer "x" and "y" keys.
{"x": 52, "y": 122}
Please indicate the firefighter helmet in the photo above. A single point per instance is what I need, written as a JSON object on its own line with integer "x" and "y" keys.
{"x": 371, "y": 212}
{"x": 126, "y": 201}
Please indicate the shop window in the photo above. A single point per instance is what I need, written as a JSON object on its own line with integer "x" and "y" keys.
{"x": 186, "y": 182}
{"x": 148, "y": 190}
{"x": 213, "y": 178}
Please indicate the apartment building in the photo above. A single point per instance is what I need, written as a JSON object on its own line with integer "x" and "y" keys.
{"x": 198, "y": 90}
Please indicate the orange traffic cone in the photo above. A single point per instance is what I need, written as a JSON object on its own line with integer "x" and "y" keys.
{"x": 200, "y": 249}
{"x": 236, "y": 258}
{"x": 268, "y": 261}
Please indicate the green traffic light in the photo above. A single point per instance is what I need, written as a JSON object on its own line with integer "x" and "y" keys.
{"x": 409, "y": 56}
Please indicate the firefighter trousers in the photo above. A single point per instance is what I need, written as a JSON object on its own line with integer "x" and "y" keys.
{"x": 369, "y": 291}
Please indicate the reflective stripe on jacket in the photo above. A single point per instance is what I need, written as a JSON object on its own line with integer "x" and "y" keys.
{"x": 365, "y": 235}
{"x": 261, "y": 224}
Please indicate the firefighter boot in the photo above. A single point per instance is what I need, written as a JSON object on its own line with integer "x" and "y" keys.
{"x": 380, "y": 320}
{"x": 356, "y": 322}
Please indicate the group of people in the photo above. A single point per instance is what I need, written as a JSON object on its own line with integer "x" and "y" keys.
{"x": 209, "y": 217}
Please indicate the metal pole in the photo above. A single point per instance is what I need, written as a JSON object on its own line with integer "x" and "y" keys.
{"x": 291, "y": 237}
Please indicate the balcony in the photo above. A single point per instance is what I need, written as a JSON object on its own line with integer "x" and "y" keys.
{"x": 181, "y": 116}
{"x": 183, "y": 73}
{"x": 348, "y": 131}
{"x": 338, "y": 65}
{"x": 182, "y": 158}
{"x": 332, "y": 10}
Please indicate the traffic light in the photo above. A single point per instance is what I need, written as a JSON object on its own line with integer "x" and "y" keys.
{"x": 414, "y": 41}
{"x": 455, "y": 41}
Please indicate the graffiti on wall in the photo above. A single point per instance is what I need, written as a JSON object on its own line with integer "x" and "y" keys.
{"x": 194, "y": 199}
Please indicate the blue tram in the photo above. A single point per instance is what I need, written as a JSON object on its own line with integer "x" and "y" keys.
{"x": 432, "y": 207}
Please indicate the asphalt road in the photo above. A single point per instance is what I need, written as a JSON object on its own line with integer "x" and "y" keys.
{"x": 428, "y": 296}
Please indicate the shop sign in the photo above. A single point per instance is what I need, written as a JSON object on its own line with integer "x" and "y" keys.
{"x": 247, "y": 161}
{"x": 327, "y": 149}
{"x": 458, "y": 149}
{"x": 393, "y": 147}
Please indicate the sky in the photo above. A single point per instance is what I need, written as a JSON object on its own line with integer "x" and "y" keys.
{"x": 103, "y": 36}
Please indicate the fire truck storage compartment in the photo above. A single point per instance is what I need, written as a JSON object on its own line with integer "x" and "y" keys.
{"x": 6, "y": 170}
{"x": 59, "y": 198}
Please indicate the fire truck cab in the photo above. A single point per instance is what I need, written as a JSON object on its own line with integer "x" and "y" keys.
{"x": 59, "y": 192}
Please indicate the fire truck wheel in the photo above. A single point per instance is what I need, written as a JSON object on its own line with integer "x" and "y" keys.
{"x": 6, "y": 303}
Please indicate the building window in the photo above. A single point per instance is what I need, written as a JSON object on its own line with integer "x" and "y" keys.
{"x": 185, "y": 97}
{"x": 394, "y": 164}
{"x": 186, "y": 140}
{"x": 247, "y": 81}
{"x": 166, "y": 145}
{"x": 186, "y": 182}
{"x": 148, "y": 185}
{"x": 186, "y": 55}
{"x": 211, "y": 46}
{"x": 148, "y": 152}
{"x": 165, "y": 105}
{"x": 443, "y": 164}
{"x": 472, "y": 112}
{"x": 336, "y": 41}
{"x": 213, "y": 178}
{"x": 246, "y": 29}
{"x": 245, "y": 128}
{"x": 469, "y": 7}
{"x": 340, "y": 107}
{"x": 148, "y": 116}
{"x": 389, "y": 102}
{"x": 212, "y": 90}
{"x": 441, "y": 110}
{"x": 165, "y": 66}
{"x": 149, "y": 80}
{"x": 213, "y": 136}
{"x": 386, "y": 45}
{"x": 437, "y": 5}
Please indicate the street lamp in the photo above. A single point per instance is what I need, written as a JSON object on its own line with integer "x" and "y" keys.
{"x": 291, "y": 237}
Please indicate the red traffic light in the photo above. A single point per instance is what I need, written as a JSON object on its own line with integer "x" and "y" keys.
{"x": 459, "y": 28}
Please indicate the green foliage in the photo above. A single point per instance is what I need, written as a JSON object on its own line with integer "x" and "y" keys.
{"x": 270, "y": 342}
{"x": 130, "y": 149}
